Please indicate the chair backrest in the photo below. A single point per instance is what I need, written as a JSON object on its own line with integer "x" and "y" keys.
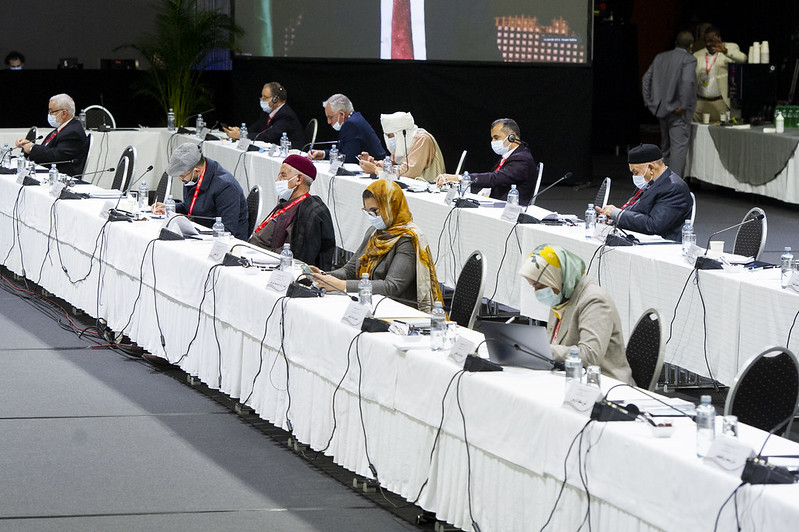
{"x": 537, "y": 183}
{"x": 766, "y": 390}
{"x": 645, "y": 350}
{"x": 120, "y": 181}
{"x": 253, "y": 208}
{"x": 97, "y": 115}
{"x": 311, "y": 130}
{"x": 161, "y": 192}
{"x": 460, "y": 163}
{"x": 603, "y": 193}
{"x": 469, "y": 291}
{"x": 31, "y": 136}
{"x": 751, "y": 237}
{"x": 693, "y": 208}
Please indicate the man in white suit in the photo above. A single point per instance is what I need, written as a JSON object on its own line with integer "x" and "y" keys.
{"x": 711, "y": 74}
{"x": 669, "y": 90}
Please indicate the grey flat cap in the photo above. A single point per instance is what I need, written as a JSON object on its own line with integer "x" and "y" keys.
{"x": 184, "y": 158}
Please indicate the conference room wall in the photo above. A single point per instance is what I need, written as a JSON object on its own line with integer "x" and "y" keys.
{"x": 456, "y": 102}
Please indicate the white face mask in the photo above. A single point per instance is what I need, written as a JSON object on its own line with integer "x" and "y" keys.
{"x": 337, "y": 126}
{"x": 548, "y": 297}
{"x": 499, "y": 147}
{"x": 639, "y": 181}
{"x": 377, "y": 222}
{"x": 265, "y": 106}
{"x": 52, "y": 120}
{"x": 391, "y": 143}
{"x": 282, "y": 189}
{"x": 15, "y": 68}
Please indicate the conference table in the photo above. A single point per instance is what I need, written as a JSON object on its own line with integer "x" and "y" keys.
{"x": 721, "y": 319}
{"x": 372, "y": 401}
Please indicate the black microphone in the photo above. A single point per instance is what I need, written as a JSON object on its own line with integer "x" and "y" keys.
{"x": 40, "y": 137}
{"x": 68, "y": 161}
{"x": 197, "y": 114}
{"x": 93, "y": 173}
{"x": 127, "y": 188}
{"x": 704, "y": 262}
{"x": 526, "y": 218}
{"x": 555, "y": 364}
{"x": 325, "y": 143}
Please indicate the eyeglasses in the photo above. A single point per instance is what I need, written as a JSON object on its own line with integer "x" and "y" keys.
{"x": 371, "y": 213}
{"x": 55, "y": 111}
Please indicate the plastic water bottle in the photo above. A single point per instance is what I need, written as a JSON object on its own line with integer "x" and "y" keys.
{"x": 513, "y": 196}
{"x": 601, "y": 226}
{"x": 285, "y": 145}
{"x": 590, "y": 221}
{"x": 200, "y": 124}
{"x": 144, "y": 193}
{"x": 243, "y": 131}
{"x": 466, "y": 184}
{"x": 365, "y": 291}
{"x": 218, "y": 228}
{"x": 286, "y": 258}
{"x": 170, "y": 120}
{"x": 82, "y": 118}
{"x": 780, "y": 122}
{"x": 6, "y": 160}
{"x": 52, "y": 175}
{"x": 574, "y": 366}
{"x": 705, "y": 426}
{"x": 169, "y": 206}
{"x": 388, "y": 173}
{"x": 786, "y": 266}
{"x": 438, "y": 327}
{"x": 333, "y": 153}
{"x": 688, "y": 237}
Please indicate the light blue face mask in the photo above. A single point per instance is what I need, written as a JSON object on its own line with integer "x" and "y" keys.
{"x": 639, "y": 181}
{"x": 548, "y": 297}
{"x": 377, "y": 222}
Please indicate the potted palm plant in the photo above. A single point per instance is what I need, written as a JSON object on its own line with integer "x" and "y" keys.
{"x": 177, "y": 50}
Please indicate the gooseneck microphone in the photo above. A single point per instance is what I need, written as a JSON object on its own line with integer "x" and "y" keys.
{"x": 526, "y": 218}
{"x": 566, "y": 176}
{"x": 703, "y": 262}
{"x": 325, "y": 143}
{"x": 756, "y": 217}
{"x": 127, "y": 188}
{"x": 196, "y": 114}
{"x": 93, "y": 173}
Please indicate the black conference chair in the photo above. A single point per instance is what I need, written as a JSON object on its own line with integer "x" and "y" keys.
{"x": 537, "y": 183}
{"x": 645, "y": 350}
{"x": 128, "y": 153}
{"x": 751, "y": 237}
{"x": 693, "y": 208}
{"x": 468, "y": 291}
{"x": 120, "y": 179}
{"x": 97, "y": 115}
{"x": 603, "y": 193}
{"x": 253, "y": 208}
{"x": 161, "y": 190}
{"x": 765, "y": 392}
{"x": 310, "y": 131}
{"x": 31, "y": 136}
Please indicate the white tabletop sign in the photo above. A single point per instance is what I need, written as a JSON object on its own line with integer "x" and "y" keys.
{"x": 728, "y": 454}
{"x": 355, "y": 314}
{"x": 581, "y": 397}
{"x": 280, "y": 280}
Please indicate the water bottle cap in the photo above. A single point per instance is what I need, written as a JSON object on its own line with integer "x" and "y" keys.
{"x": 787, "y": 249}
{"x": 365, "y": 276}
{"x": 218, "y": 218}
{"x": 169, "y": 196}
{"x": 285, "y": 246}
{"x": 590, "y": 205}
{"x": 513, "y": 187}
{"x": 705, "y": 399}
{"x": 437, "y": 304}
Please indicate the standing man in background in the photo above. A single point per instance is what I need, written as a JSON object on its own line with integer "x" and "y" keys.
{"x": 711, "y": 74}
{"x": 669, "y": 90}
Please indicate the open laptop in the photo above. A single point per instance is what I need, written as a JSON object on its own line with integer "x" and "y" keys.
{"x": 514, "y": 344}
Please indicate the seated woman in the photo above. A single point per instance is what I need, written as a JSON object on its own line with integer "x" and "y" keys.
{"x": 394, "y": 252}
{"x": 581, "y": 312}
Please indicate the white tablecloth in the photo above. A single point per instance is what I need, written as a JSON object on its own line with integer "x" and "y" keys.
{"x": 518, "y": 433}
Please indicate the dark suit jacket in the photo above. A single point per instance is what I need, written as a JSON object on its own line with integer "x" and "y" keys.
{"x": 519, "y": 169}
{"x": 70, "y": 143}
{"x": 670, "y": 82}
{"x": 662, "y": 208}
{"x": 356, "y": 136}
{"x": 220, "y": 195}
{"x": 285, "y": 119}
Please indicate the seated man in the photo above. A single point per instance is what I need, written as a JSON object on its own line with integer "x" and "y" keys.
{"x": 276, "y": 117}
{"x": 299, "y": 219}
{"x": 662, "y": 203}
{"x": 413, "y": 148}
{"x": 209, "y": 191}
{"x": 355, "y": 134}
{"x": 68, "y": 142}
{"x": 515, "y": 167}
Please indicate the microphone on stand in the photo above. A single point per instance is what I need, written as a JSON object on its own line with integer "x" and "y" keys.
{"x": 526, "y": 218}
{"x": 195, "y": 115}
{"x": 93, "y": 173}
{"x": 324, "y": 143}
{"x": 703, "y": 262}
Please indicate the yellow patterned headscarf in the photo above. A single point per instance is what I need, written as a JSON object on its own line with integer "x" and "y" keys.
{"x": 399, "y": 223}
{"x": 555, "y": 267}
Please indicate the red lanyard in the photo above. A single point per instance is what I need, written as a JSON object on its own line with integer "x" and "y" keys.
{"x": 709, "y": 68}
{"x": 500, "y": 163}
{"x": 197, "y": 190}
{"x": 555, "y": 335}
{"x": 51, "y": 136}
{"x": 281, "y": 211}
{"x": 633, "y": 200}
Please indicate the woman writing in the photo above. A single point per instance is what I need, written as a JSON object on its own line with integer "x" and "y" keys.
{"x": 581, "y": 313}
{"x": 394, "y": 252}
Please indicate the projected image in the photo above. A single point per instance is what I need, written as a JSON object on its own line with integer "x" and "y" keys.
{"x": 537, "y": 31}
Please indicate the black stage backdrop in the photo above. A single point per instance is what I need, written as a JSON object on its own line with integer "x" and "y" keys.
{"x": 456, "y": 102}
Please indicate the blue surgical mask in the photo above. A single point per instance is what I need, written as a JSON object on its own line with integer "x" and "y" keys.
{"x": 377, "y": 222}
{"x": 639, "y": 181}
{"x": 265, "y": 106}
{"x": 52, "y": 120}
{"x": 391, "y": 143}
{"x": 15, "y": 68}
{"x": 548, "y": 297}
{"x": 499, "y": 147}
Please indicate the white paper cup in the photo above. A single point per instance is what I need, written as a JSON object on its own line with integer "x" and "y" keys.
{"x": 716, "y": 248}
{"x": 705, "y": 118}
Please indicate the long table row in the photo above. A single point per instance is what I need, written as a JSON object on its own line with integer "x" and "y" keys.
{"x": 366, "y": 403}
{"x": 720, "y": 320}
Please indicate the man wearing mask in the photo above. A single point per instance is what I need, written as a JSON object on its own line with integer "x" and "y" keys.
{"x": 711, "y": 74}
{"x": 413, "y": 148}
{"x": 209, "y": 191}
{"x": 298, "y": 219}
{"x": 662, "y": 202}
{"x": 276, "y": 118}
{"x": 355, "y": 134}
{"x": 516, "y": 165}
{"x": 67, "y": 142}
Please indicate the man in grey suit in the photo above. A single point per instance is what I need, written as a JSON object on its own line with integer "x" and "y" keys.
{"x": 669, "y": 89}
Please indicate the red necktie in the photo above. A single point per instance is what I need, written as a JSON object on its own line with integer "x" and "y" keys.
{"x": 401, "y": 37}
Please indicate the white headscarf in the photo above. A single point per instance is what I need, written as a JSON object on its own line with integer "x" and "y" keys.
{"x": 404, "y": 129}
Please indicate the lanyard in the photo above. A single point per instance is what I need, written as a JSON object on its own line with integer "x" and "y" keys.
{"x": 633, "y": 200}
{"x": 555, "y": 335}
{"x": 710, "y": 67}
{"x": 281, "y": 211}
{"x": 197, "y": 190}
